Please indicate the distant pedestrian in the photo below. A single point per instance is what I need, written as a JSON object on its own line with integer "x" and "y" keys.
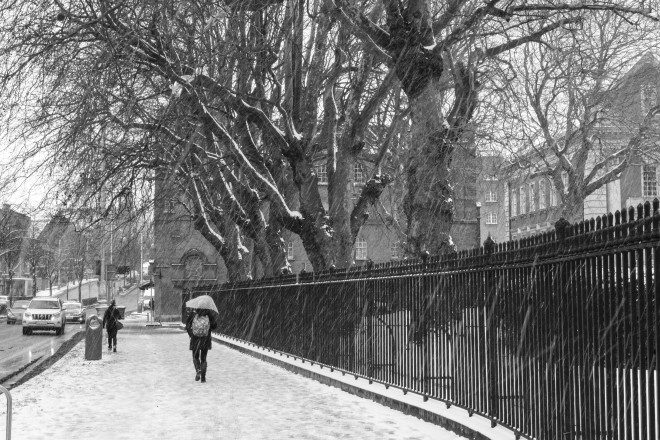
{"x": 111, "y": 323}
{"x": 199, "y": 325}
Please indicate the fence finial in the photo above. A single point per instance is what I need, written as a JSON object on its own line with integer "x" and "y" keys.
{"x": 489, "y": 245}
{"x": 562, "y": 226}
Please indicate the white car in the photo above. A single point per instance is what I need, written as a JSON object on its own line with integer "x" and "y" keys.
{"x": 44, "y": 314}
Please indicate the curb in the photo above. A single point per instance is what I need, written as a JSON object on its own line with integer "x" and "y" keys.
{"x": 20, "y": 370}
{"x": 453, "y": 419}
{"x": 46, "y": 362}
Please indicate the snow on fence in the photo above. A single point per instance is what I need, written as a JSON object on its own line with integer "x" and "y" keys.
{"x": 554, "y": 336}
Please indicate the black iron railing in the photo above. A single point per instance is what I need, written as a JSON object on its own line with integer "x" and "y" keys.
{"x": 555, "y": 336}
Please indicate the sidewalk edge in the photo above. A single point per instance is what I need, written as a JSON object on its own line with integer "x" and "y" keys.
{"x": 37, "y": 368}
{"x": 360, "y": 388}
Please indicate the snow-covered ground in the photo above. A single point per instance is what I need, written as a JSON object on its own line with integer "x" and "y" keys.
{"x": 147, "y": 391}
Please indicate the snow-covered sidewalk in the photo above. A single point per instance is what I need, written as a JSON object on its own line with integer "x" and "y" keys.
{"x": 147, "y": 391}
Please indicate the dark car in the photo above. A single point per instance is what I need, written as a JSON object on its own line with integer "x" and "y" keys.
{"x": 15, "y": 313}
{"x": 74, "y": 311}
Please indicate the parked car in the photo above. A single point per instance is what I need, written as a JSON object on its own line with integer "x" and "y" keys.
{"x": 15, "y": 313}
{"x": 44, "y": 314}
{"x": 74, "y": 311}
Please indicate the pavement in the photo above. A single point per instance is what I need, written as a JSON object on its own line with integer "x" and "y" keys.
{"x": 147, "y": 391}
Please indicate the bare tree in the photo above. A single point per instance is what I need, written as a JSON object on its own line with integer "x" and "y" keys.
{"x": 150, "y": 98}
{"x": 574, "y": 108}
{"x": 442, "y": 53}
{"x": 35, "y": 254}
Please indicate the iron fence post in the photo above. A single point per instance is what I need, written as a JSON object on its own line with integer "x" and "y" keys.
{"x": 563, "y": 417}
{"x": 6, "y": 392}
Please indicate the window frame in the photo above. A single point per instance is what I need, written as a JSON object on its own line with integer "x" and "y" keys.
{"x": 491, "y": 218}
{"x": 514, "y": 203}
{"x": 359, "y": 175}
{"x": 395, "y": 253}
{"x": 553, "y": 195}
{"x": 491, "y": 196}
{"x": 543, "y": 184}
{"x": 644, "y": 182}
{"x": 321, "y": 171}
{"x": 650, "y": 89}
{"x": 360, "y": 250}
{"x": 290, "y": 255}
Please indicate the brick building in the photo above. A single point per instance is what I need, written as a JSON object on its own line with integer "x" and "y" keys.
{"x": 183, "y": 258}
{"x": 492, "y": 197}
{"x": 531, "y": 199}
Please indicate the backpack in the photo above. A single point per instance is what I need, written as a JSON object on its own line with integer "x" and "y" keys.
{"x": 201, "y": 326}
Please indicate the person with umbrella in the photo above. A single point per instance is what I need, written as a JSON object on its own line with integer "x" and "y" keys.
{"x": 201, "y": 321}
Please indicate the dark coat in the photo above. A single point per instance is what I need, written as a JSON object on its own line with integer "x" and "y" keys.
{"x": 110, "y": 318}
{"x": 200, "y": 342}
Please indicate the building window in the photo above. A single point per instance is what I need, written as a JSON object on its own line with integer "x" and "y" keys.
{"x": 322, "y": 174}
{"x": 553, "y": 195}
{"x": 394, "y": 250}
{"x": 523, "y": 200}
{"x": 289, "y": 251}
{"x": 648, "y": 97}
{"x": 193, "y": 264}
{"x": 168, "y": 207}
{"x": 532, "y": 197}
{"x": 491, "y": 195}
{"x": 542, "y": 191}
{"x": 358, "y": 174}
{"x": 514, "y": 204}
{"x": 491, "y": 218}
{"x": 360, "y": 249}
{"x": 649, "y": 181}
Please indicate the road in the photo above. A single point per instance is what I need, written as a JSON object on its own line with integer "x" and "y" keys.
{"x": 18, "y": 350}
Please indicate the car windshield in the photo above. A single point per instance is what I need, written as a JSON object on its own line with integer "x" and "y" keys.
{"x": 71, "y": 306}
{"x": 43, "y": 304}
{"x": 21, "y": 304}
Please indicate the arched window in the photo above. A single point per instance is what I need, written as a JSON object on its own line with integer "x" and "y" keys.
{"x": 193, "y": 264}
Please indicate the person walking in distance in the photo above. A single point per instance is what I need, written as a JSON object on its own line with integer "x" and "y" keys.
{"x": 199, "y": 325}
{"x": 111, "y": 323}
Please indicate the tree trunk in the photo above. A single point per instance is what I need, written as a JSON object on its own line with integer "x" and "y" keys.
{"x": 235, "y": 255}
{"x": 572, "y": 207}
{"x": 428, "y": 201}
{"x": 340, "y": 189}
{"x": 275, "y": 243}
{"x": 315, "y": 232}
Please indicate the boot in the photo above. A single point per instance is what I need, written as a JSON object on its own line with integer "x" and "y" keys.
{"x": 203, "y": 371}
{"x": 197, "y": 369}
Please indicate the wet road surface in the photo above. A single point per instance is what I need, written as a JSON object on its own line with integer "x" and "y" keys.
{"x": 18, "y": 350}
